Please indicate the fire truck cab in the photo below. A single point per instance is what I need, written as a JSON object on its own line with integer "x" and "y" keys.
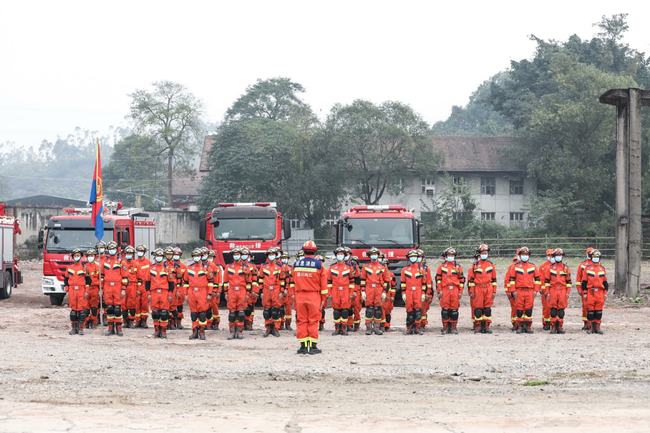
{"x": 11, "y": 275}
{"x": 64, "y": 233}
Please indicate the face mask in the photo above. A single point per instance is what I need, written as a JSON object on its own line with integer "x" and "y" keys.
{"x": 244, "y": 257}
{"x": 450, "y": 258}
{"x": 523, "y": 258}
{"x": 112, "y": 252}
{"x": 413, "y": 259}
{"x": 595, "y": 259}
{"x": 340, "y": 257}
{"x": 550, "y": 259}
{"x": 347, "y": 258}
{"x": 177, "y": 257}
{"x": 285, "y": 261}
{"x": 90, "y": 259}
{"x": 558, "y": 259}
{"x": 419, "y": 259}
{"x": 484, "y": 256}
{"x": 101, "y": 250}
{"x": 204, "y": 258}
{"x": 196, "y": 259}
{"x": 140, "y": 253}
{"x": 158, "y": 259}
{"x": 129, "y": 256}
{"x": 271, "y": 257}
{"x": 374, "y": 257}
{"x": 236, "y": 257}
{"x": 76, "y": 258}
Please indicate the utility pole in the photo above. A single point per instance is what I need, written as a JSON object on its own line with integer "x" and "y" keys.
{"x": 629, "y": 236}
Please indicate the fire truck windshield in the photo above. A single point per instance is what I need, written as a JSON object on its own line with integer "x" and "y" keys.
{"x": 67, "y": 239}
{"x": 379, "y": 232}
{"x": 245, "y": 228}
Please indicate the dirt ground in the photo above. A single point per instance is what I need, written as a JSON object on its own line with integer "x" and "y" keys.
{"x": 53, "y": 382}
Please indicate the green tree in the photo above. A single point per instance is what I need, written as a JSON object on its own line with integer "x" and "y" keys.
{"x": 383, "y": 145}
{"x": 171, "y": 116}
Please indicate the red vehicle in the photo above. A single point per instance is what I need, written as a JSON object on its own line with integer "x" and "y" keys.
{"x": 73, "y": 230}
{"x": 391, "y": 228}
{"x": 11, "y": 275}
{"x": 257, "y": 226}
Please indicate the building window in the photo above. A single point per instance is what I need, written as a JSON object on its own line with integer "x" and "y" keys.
{"x": 516, "y": 187}
{"x": 488, "y": 185}
{"x": 516, "y": 216}
{"x": 488, "y": 216}
{"x": 428, "y": 186}
{"x": 458, "y": 185}
{"x": 295, "y": 224}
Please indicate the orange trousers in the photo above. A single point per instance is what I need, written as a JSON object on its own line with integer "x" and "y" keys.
{"x": 308, "y": 314}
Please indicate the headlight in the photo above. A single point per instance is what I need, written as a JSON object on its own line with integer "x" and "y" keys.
{"x": 48, "y": 281}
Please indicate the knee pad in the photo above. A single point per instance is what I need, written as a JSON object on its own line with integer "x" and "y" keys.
{"x": 93, "y": 311}
{"x": 275, "y": 313}
{"x": 345, "y": 313}
{"x": 478, "y": 312}
{"x": 241, "y": 315}
{"x": 117, "y": 310}
{"x": 370, "y": 312}
{"x": 487, "y": 311}
{"x": 560, "y": 313}
{"x": 453, "y": 314}
{"x": 194, "y": 316}
{"x": 179, "y": 308}
{"x": 336, "y": 314}
{"x": 73, "y": 315}
{"x": 378, "y": 313}
{"x": 110, "y": 310}
{"x": 131, "y": 311}
{"x": 208, "y": 313}
{"x": 554, "y": 312}
{"x": 529, "y": 312}
{"x": 351, "y": 311}
{"x": 598, "y": 314}
{"x": 249, "y": 310}
{"x": 591, "y": 315}
{"x": 282, "y": 312}
{"x": 266, "y": 314}
{"x": 164, "y": 315}
{"x": 520, "y": 313}
{"x": 417, "y": 314}
{"x": 83, "y": 314}
{"x": 174, "y": 313}
{"x": 202, "y": 316}
{"x": 388, "y": 318}
{"x": 232, "y": 316}
{"x": 444, "y": 314}
{"x": 410, "y": 318}
{"x": 155, "y": 314}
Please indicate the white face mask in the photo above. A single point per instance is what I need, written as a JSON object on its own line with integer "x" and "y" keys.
{"x": 101, "y": 250}
{"x": 347, "y": 258}
{"x": 112, "y": 252}
{"x": 523, "y": 258}
{"x": 271, "y": 257}
{"x": 196, "y": 259}
{"x": 558, "y": 259}
{"x": 236, "y": 257}
{"x": 450, "y": 258}
{"x": 244, "y": 256}
{"x": 413, "y": 259}
{"x": 484, "y": 256}
{"x": 595, "y": 259}
{"x": 140, "y": 253}
{"x": 177, "y": 257}
{"x": 340, "y": 257}
{"x": 550, "y": 259}
{"x": 129, "y": 256}
{"x": 90, "y": 259}
{"x": 158, "y": 259}
{"x": 76, "y": 258}
{"x": 285, "y": 261}
{"x": 204, "y": 258}
{"x": 419, "y": 259}
{"x": 373, "y": 257}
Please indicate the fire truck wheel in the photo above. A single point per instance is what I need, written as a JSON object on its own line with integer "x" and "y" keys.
{"x": 5, "y": 292}
{"x": 57, "y": 299}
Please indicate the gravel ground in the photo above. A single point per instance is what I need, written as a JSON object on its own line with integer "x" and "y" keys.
{"x": 51, "y": 382}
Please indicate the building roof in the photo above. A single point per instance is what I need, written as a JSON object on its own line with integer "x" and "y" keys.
{"x": 208, "y": 141}
{"x": 482, "y": 154}
{"x": 43, "y": 200}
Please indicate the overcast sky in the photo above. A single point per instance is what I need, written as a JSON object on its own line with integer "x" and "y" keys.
{"x": 73, "y": 63}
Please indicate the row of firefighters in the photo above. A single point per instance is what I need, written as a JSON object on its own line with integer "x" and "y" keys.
{"x": 131, "y": 286}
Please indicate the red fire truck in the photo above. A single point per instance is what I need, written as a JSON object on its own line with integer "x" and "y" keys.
{"x": 257, "y": 226}
{"x": 11, "y": 275}
{"x": 391, "y": 228}
{"x": 64, "y": 233}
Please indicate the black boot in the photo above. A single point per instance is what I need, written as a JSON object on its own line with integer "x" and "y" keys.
{"x": 303, "y": 349}
{"x": 377, "y": 329}
{"x": 202, "y": 333}
{"x": 73, "y": 327}
{"x": 118, "y": 330}
{"x": 336, "y": 329}
{"x": 274, "y": 332}
{"x": 238, "y": 333}
{"x": 314, "y": 350}
{"x": 267, "y": 331}
{"x": 232, "y": 333}
{"x": 195, "y": 334}
{"x": 321, "y": 326}
{"x": 110, "y": 330}
{"x": 483, "y": 328}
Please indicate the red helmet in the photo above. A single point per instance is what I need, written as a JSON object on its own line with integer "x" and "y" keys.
{"x": 309, "y": 247}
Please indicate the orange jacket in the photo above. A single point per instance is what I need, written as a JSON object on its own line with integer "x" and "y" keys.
{"x": 375, "y": 273}
{"x": 482, "y": 273}
{"x": 112, "y": 270}
{"x": 236, "y": 275}
{"x": 340, "y": 275}
{"x": 75, "y": 275}
{"x": 309, "y": 275}
{"x": 159, "y": 278}
{"x": 450, "y": 274}
{"x": 195, "y": 275}
{"x": 594, "y": 277}
{"x": 543, "y": 273}
{"x": 580, "y": 273}
{"x": 143, "y": 265}
{"x": 93, "y": 271}
{"x": 413, "y": 277}
{"x": 558, "y": 277}
{"x": 130, "y": 271}
{"x": 525, "y": 276}
{"x": 270, "y": 274}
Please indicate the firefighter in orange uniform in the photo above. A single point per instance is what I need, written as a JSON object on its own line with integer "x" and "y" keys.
{"x": 207, "y": 258}
{"x": 321, "y": 322}
{"x": 254, "y": 292}
{"x": 114, "y": 290}
{"x": 413, "y": 284}
{"x": 526, "y": 281}
{"x": 426, "y": 305}
{"x": 450, "y": 282}
{"x": 389, "y": 302}
{"x": 482, "y": 287}
{"x": 173, "y": 277}
{"x": 180, "y": 292}
{"x": 340, "y": 285}
{"x": 101, "y": 256}
{"x": 557, "y": 284}
{"x": 160, "y": 287}
{"x": 594, "y": 288}
{"x": 236, "y": 285}
{"x": 510, "y": 291}
{"x": 586, "y": 326}
{"x": 76, "y": 282}
{"x": 132, "y": 274}
{"x": 310, "y": 283}
{"x": 374, "y": 288}
{"x": 198, "y": 284}
{"x": 272, "y": 284}
{"x": 544, "y": 294}
{"x": 142, "y": 301}
{"x": 290, "y": 298}
{"x": 354, "y": 319}
{"x": 94, "y": 272}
